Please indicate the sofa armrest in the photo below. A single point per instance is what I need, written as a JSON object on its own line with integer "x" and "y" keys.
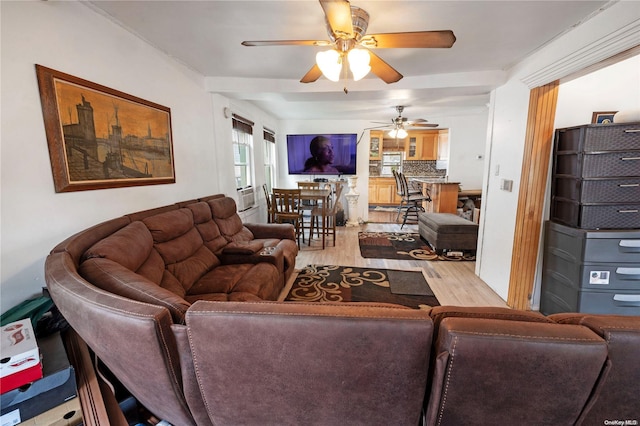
{"x": 282, "y": 231}
{"x": 273, "y": 255}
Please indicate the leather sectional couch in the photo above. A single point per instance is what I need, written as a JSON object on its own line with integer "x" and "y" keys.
{"x": 179, "y": 303}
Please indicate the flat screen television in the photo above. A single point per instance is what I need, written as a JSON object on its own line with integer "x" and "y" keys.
{"x": 322, "y": 154}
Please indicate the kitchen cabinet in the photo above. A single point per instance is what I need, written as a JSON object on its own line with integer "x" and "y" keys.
{"x": 375, "y": 144}
{"x": 422, "y": 145}
{"x": 382, "y": 190}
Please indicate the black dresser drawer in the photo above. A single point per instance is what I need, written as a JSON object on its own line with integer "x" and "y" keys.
{"x": 600, "y": 164}
{"x": 603, "y": 190}
{"x": 595, "y": 216}
{"x": 599, "y": 137}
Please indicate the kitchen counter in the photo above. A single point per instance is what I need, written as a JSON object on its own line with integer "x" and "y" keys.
{"x": 444, "y": 195}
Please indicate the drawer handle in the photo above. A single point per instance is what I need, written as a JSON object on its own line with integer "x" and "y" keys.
{"x": 629, "y": 185}
{"x": 629, "y": 243}
{"x": 628, "y": 211}
{"x": 628, "y": 273}
{"x": 627, "y": 299}
{"x": 629, "y": 158}
{"x": 632, "y": 131}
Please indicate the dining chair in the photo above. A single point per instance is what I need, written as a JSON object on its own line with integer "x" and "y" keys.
{"x": 413, "y": 201}
{"x": 286, "y": 205}
{"x": 307, "y": 205}
{"x": 267, "y": 198}
{"x": 330, "y": 213}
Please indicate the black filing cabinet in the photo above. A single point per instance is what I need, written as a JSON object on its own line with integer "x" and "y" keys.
{"x": 596, "y": 271}
{"x": 592, "y": 243}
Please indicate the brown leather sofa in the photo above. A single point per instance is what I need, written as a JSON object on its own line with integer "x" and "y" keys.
{"x": 192, "y": 331}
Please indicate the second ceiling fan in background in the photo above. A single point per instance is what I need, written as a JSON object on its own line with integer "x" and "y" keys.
{"x": 397, "y": 126}
{"x": 347, "y": 27}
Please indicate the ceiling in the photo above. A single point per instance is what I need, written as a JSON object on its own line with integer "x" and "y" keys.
{"x": 492, "y": 36}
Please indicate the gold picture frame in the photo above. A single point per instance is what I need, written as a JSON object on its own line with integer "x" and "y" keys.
{"x": 602, "y": 117}
{"x": 100, "y": 138}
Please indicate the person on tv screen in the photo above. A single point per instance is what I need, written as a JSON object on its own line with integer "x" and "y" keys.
{"x": 321, "y": 160}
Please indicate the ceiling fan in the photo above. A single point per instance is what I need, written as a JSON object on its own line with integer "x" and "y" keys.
{"x": 397, "y": 127}
{"x": 347, "y": 26}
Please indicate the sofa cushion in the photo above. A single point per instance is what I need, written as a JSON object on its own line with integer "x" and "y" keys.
{"x": 512, "y": 372}
{"x": 117, "y": 279}
{"x": 129, "y": 246}
{"x": 243, "y": 247}
{"x": 439, "y": 313}
{"x": 225, "y": 215}
{"x": 181, "y": 246}
{"x": 261, "y": 279}
{"x": 208, "y": 229}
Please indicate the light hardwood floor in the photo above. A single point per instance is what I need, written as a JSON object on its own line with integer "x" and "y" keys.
{"x": 453, "y": 283}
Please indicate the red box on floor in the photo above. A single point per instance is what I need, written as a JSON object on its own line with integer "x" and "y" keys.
{"x": 19, "y": 355}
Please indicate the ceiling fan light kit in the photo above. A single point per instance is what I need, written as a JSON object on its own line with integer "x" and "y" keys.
{"x": 347, "y": 26}
{"x": 398, "y": 133}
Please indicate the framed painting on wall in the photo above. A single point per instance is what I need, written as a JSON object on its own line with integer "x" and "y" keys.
{"x": 602, "y": 117}
{"x": 103, "y": 138}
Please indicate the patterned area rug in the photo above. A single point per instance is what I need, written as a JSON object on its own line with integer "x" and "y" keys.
{"x": 329, "y": 283}
{"x": 401, "y": 245}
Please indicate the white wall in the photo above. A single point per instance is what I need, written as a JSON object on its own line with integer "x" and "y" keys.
{"x": 507, "y": 126}
{"x": 614, "y": 88}
{"x": 72, "y": 38}
{"x": 467, "y": 141}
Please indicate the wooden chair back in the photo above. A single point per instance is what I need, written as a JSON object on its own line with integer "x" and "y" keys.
{"x": 267, "y": 198}
{"x": 286, "y": 203}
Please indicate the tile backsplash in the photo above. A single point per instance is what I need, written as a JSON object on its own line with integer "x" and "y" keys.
{"x": 422, "y": 168}
{"x": 411, "y": 168}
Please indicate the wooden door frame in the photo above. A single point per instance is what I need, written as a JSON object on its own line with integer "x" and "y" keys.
{"x": 531, "y": 198}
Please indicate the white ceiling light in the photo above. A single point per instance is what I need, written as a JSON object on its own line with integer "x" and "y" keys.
{"x": 330, "y": 63}
{"x": 359, "y": 63}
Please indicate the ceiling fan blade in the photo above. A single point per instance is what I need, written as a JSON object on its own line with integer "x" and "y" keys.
{"x": 338, "y": 14}
{"x": 383, "y": 70}
{"x": 424, "y": 125}
{"x": 287, "y": 43}
{"x": 312, "y": 75}
{"x": 442, "y": 39}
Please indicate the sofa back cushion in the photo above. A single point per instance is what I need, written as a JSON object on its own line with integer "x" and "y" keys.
{"x": 207, "y": 227}
{"x": 512, "y": 372}
{"x": 125, "y": 263}
{"x": 131, "y": 247}
{"x": 226, "y": 217}
{"x": 618, "y": 396}
{"x": 181, "y": 247}
{"x": 372, "y": 371}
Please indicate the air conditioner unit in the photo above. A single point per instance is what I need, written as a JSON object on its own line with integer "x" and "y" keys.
{"x": 246, "y": 199}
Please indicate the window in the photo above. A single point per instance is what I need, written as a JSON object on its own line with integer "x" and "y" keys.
{"x": 242, "y": 136}
{"x": 269, "y": 158}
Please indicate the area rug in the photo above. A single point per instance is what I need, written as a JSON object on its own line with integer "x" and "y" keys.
{"x": 330, "y": 283}
{"x": 401, "y": 246}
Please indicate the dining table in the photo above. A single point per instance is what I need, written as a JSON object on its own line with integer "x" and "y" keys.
{"x": 322, "y": 197}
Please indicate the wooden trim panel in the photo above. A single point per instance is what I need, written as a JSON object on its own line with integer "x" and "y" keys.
{"x": 535, "y": 169}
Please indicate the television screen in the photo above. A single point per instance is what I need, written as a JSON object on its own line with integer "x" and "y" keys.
{"x": 322, "y": 154}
